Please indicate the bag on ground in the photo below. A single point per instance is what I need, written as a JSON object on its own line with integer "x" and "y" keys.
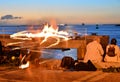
{"x": 67, "y": 62}
{"x": 81, "y": 66}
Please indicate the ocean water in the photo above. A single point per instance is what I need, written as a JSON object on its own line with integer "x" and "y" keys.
{"x": 107, "y": 29}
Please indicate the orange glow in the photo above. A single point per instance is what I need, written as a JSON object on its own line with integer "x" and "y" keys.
{"x": 47, "y": 32}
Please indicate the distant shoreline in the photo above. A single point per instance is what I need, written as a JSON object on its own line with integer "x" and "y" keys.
{"x": 58, "y": 25}
{"x": 17, "y": 25}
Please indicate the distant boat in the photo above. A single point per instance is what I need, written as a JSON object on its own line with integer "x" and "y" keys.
{"x": 62, "y": 24}
{"x": 65, "y": 24}
{"x": 83, "y": 24}
{"x": 97, "y": 26}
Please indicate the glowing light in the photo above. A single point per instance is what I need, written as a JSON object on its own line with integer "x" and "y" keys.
{"x": 46, "y": 32}
{"x": 24, "y": 65}
{"x": 13, "y": 57}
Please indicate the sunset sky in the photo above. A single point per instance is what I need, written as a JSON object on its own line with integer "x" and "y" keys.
{"x": 63, "y": 11}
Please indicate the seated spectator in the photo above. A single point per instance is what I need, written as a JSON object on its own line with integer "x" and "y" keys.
{"x": 112, "y": 51}
{"x": 94, "y": 51}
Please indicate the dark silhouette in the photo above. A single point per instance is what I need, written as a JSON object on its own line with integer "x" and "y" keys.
{"x": 1, "y": 51}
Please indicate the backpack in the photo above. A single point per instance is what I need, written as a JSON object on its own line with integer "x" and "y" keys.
{"x": 111, "y": 51}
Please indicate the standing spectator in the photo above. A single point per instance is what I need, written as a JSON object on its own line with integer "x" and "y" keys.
{"x": 112, "y": 51}
{"x": 94, "y": 51}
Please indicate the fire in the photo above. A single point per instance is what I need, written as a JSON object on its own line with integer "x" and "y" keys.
{"x": 47, "y": 32}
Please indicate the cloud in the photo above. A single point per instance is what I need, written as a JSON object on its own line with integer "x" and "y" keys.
{"x": 9, "y": 17}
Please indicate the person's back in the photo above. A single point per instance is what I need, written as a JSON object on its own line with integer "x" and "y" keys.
{"x": 112, "y": 51}
{"x": 94, "y": 51}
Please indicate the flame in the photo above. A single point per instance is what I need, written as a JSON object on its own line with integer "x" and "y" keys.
{"x": 47, "y": 32}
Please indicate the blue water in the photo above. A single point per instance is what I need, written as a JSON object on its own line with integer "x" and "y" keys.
{"x": 108, "y": 29}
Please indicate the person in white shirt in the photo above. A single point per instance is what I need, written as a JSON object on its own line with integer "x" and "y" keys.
{"x": 94, "y": 51}
{"x": 115, "y": 58}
